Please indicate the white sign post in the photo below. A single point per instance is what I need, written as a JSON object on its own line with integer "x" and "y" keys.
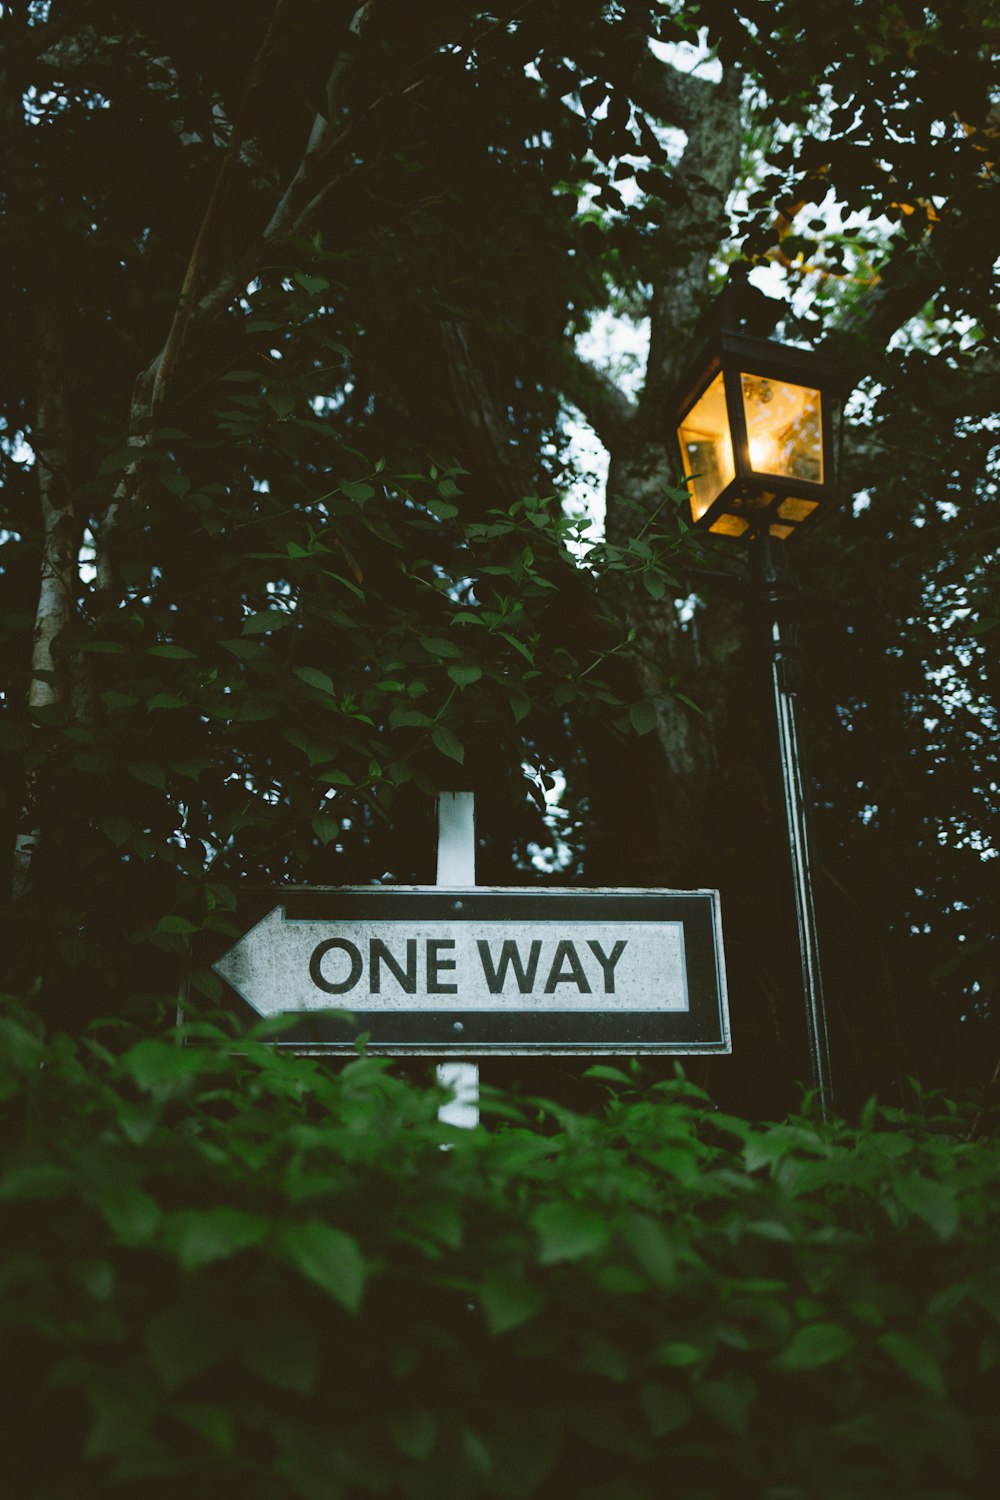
{"x": 456, "y": 865}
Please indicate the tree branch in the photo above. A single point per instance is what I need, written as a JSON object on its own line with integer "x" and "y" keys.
{"x": 324, "y": 139}
{"x": 705, "y": 176}
{"x": 491, "y": 442}
{"x": 170, "y": 355}
{"x": 153, "y": 384}
{"x": 58, "y": 577}
{"x": 672, "y": 96}
{"x": 59, "y": 582}
{"x": 960, "y": 245}
{"x": 608, "y": 410}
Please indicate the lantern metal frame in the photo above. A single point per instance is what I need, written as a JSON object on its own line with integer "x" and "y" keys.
{"x": 754, "y": 496}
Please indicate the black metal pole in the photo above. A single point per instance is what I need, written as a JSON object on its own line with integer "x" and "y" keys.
{"x": 784, "y": 670}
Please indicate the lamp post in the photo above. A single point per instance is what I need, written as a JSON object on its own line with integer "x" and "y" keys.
{"x": 754, "y": 424}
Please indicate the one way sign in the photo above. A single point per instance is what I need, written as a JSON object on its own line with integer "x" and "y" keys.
{"x": 486, "y": 971}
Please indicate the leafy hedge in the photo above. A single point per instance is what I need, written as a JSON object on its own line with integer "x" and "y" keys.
{"x": 264, "y": 1276}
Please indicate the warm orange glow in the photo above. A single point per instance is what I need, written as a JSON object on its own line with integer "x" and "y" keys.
{"x": 797, "y": 510}
{"x": 763, "y": 453}
{"x": 706, "y": 448}
{"x": 784, "y": 430}
{"x": 728, "y": 525}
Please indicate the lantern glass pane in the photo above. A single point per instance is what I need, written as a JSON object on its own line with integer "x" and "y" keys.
{"x": 784, "y": 428}
{"x": 792, "y": 509}
{"x": 707, "y": 448}
{"x": 729, "y": 525}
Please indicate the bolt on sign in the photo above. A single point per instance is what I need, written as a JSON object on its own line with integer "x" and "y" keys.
{"x": 487, "y": 971}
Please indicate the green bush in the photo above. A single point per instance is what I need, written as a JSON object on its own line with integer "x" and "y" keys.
{"x": 264, "y": 1276}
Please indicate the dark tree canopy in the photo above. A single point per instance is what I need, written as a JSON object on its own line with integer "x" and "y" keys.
{"x": 294, "y": 297}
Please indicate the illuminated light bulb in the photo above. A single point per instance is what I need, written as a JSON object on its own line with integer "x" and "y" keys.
{"x": 763, "y": 452}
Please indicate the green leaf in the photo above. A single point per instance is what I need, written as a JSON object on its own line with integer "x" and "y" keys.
{"x": 677, "y": 1353}
{"x": 120, "y": 459}
{"x": 603, "y": 1358}
{"x": 198, "y": 1236}
{"x": 930, "y": 1201}
{"x": 98, "y": 1277}
{"x": 436, "y": 646}
{"x": 175, "y": 924}
{"x": 508, "y": 1301}
{"x": 148, "y": 772}
{"x": 174, "y": 482}
{"x": 728, "y": 1401}
{"x": 281, "y": 401}
{"x": 213, "y": 1422}
{"x": 132, "y": 1214}
{"x": 439, "y": 1218}
{"x": 159, "y": 1067}
{"x": 329, "y": 1257}
{"x": 652, "y": 1248}
{"x": 315, "y": 678}
{"x": 402, "y": 717}
{"x": 137, "y": 1121}
{"x": 414, "y": 1433}
{"x": 185, "y": 1339}
{"x": 568, "y": 1231}
{"x": 119, "y": 1422}
{"x": 266, "y": 621}
{"x": 520, "y": 646}
{"x": 325, "y": 828}
{"x": 352, "y": 587}
{"x": 609, "y": 1075}
{"x": 357, "y": 491}
{"x": 642, "y": 717}
{"x": 690, "y": 703}
{"x": 815, "y": 1345}
{"x": 315, "y": 750}
{"x": 448, "y": 743}
{"x": 665, "y": 1409}
{"x": 36, "y": 1179}
{"x": 168, "y": 649}
{"x": 465, "y": 676}
{"x": 283, "y": 1348}
{"x": 916, "y": 1361}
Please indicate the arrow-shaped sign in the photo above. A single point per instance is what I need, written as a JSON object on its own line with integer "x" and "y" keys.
{"x": 488, "y": 970}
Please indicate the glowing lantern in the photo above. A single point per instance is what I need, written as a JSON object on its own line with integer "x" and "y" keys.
{"x": 756, "y": 439}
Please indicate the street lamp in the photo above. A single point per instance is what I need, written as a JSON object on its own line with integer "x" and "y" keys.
{"x": 756, "y": 437}
{"x": 754, "y": 424}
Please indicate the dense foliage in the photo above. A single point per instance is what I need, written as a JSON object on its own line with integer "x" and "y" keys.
{"x": 251, "y": 1277}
